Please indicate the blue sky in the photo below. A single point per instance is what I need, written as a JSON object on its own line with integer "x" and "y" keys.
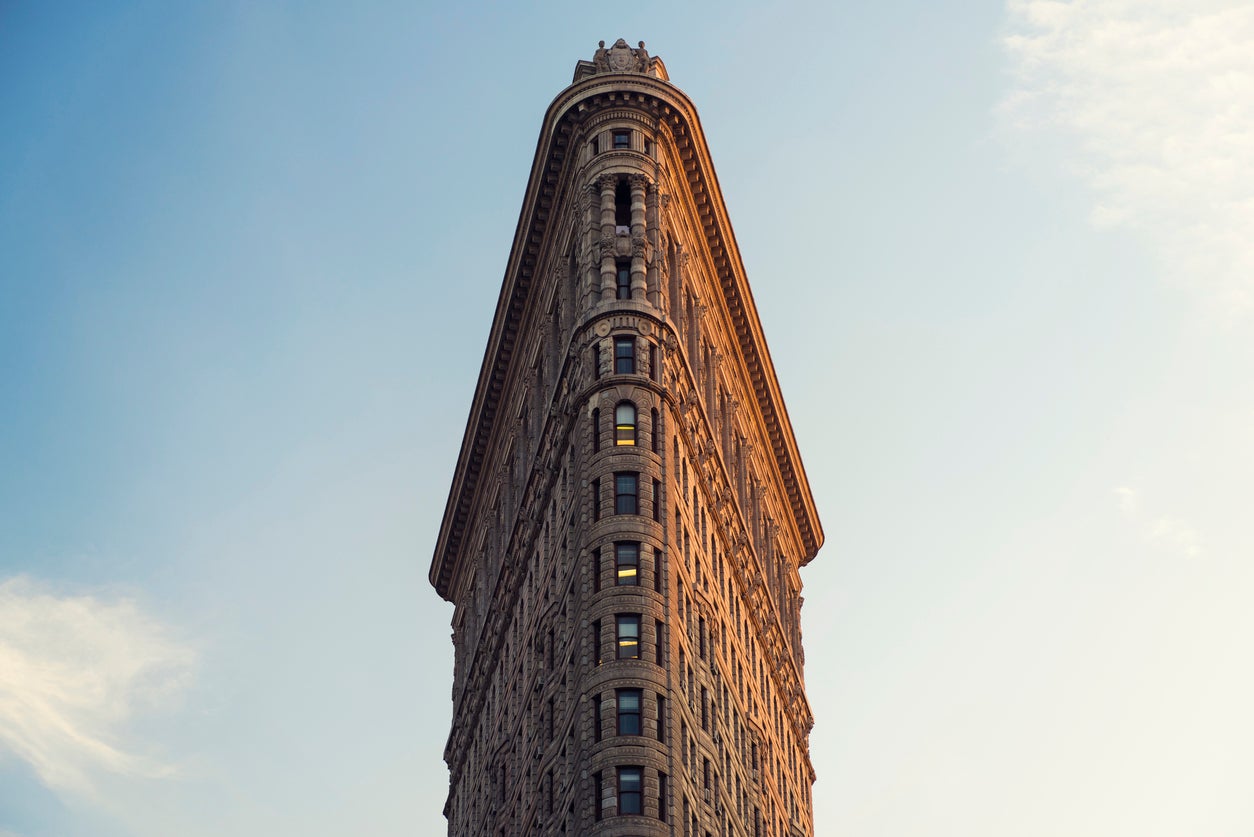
{"x": 248, "y": 258}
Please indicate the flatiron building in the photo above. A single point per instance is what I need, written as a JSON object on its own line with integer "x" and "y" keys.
{"x": 629, "y": 512}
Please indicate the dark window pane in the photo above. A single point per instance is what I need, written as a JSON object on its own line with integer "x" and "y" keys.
{"x": 625, "y": 491}
{"x": 629, "y": 711}
{"x": 624, "y": 355}
{"x": 629, "y": 790}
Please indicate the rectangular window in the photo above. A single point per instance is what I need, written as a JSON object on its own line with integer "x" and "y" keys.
{"x": 622, "y": 139}
{"x": 627, "y": 563}
{"x": 624, "y": 355}
{"x": 655, "y": 371}
{"x": 595, "y": 555}
{"x": 596, "y": 359}
{"x": 662, "y": 801}
{"x": 598, "y": 784}
{"x": 630, "y": 790}
{"x": 626, "y": 489}
{"x": 629, "y": 637}
{"x": 596, "y": 430}
{"x": 623, "y": 270}
{"x": 596, "y": 641}
{"x": 625, "y": 424}
{"x": 661, "y": 719}
{"x": 596, "y": 499}
{"x": 596, "y": 717}
{"x": 661, "y": 640}
{"x": 628, "y": 711}
{"x": 659, "y": 570}
{"x": 657, "y": 500}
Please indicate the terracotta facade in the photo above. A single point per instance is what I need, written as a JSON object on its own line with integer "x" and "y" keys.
{"x": 629, "y": 512}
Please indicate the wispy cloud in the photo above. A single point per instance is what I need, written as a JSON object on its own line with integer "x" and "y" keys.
{"x": 74, "y": 669}
{"x": 1155, "y": 100}
{"x": 1166, "y": 531}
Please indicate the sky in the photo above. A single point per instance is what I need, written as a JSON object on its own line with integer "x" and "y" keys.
{"x": 249, "y": 254}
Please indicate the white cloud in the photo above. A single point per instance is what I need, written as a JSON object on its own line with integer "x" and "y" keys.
{"x": 75, "y": 670}
{"x": 1165, "y": 531}
{"x": 1155, "y": 101}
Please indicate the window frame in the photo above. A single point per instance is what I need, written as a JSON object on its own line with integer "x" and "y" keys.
{"x": 629, "y": 714}
{"x": 627, "y": 550}
{"x": 634, "y": 797}
{"x": 626, "y": 433}
{"x": 624, "y": 639}
{"x": 622, "y": 279}
{"x": 624, "y": 355}
{"x": 626, "y": 492}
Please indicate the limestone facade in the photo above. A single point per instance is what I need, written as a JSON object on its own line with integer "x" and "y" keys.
{"x": 629, "y": 512}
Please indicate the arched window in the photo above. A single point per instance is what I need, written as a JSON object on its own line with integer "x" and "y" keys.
{"x": 625, "y": 424}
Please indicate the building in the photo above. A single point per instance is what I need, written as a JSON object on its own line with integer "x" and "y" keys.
{"x": 629, "y": 512}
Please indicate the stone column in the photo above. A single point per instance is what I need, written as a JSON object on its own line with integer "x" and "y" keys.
{"x": 638, "y": 185}
{"x": 608, "y": 184}
{"x": 653, "y": 231}
{"x": 590, "y": 259}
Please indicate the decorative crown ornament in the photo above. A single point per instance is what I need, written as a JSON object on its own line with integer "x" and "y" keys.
{"x": 621, "y": 58}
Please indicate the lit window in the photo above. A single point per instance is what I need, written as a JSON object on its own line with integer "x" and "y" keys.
{"x": 624, "y": 355}
{"x": 627, "y": 563}
{"x": 630, "y": 797}
{"x": 629, "y": 711}
{"x": 629, "y": 637}
{"x": 626, "y": 489}
{"x": 625, "y": 424}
